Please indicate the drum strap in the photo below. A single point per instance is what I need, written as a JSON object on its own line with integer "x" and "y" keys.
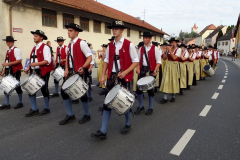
{"x": 146, "y": 57}
{"x": 116, "y": 64}
{"x": 59, "y": 55}
{"x": 70, "y": 55}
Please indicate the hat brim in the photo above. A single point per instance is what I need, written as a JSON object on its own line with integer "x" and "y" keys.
{"x": 59, "y": 40}
{"x": 110, "y": 39}
{"x": 111, "y": 27}
{"x": 44, "y": 37}
{"x": 150, "y": 35}
{"x": 77, "y": 29}
{"x": 173, "y": 40}
{"x": 9, "y": 40}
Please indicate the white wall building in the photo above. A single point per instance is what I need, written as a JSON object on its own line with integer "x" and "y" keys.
{"x": 225, "y": 43}
{"x": 200, "y": 39}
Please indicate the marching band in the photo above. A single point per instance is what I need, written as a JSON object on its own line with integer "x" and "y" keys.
{"x": 172, "y": 68}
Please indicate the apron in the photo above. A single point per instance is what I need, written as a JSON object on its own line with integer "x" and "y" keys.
{"x": 99, "y": 73}
{"x": 190, "y": 72}
{"x": 135, "y": 79}
{"x": 197, "y": 69}
{"x": 163, "y": 65}
{"x": 203, "y": 63}
{"x": 157, "y": 79}
{"x": 170, "y": 80}
{"x": 183, "y": 75}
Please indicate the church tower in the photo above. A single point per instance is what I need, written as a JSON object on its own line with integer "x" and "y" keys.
{"x": 195, "y": 28}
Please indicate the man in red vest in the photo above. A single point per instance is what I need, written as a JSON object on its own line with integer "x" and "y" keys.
{"x": 79, "y": 57}
{"x": 42, "y": 64}
{"x": 13, "y": 66}
{"x": 120, "y": 61}
{"x": 60, "y": 61}
{"x": 150, "y": 61}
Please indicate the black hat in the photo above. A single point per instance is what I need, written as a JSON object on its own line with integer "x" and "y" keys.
{"x": 112, "y": 38}
{"x": 140, "y": 44}
{"x": 173, "y": 39}
{"x": 190, "y": 47}
{"x": 89, "y": 44}
{"x": 74, "y": 26}
{"x": 40, "y": 33}
{"x": 210, "y": 46}
{"x": 164, "y": 44}
{"x": 233, "y": 48}
{"x": 182, "y": 45}
{"x": 155, "y": 43}
{"x": 205, "y": 48}
{"x": 60, "y": 39}
{"x": 147, "y": 34}
{"x": 104, "y": 45}
{"x": 117, "y": 24}
{"x": 9, "y": 39}
{"x": 215, "y": 48}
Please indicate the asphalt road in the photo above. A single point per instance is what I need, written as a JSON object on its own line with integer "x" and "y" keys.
{"x": 173, "y": 131}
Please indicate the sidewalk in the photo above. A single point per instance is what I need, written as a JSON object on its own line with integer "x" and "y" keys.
{"x": 51, "y": 80}
{"x": 237, "y": 61}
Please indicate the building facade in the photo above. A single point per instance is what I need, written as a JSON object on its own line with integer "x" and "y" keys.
{"x": 50, "y": 16}
{"x": 194, "y": 28}
{"x": 237, "y": 35}
{"x": 200, "y": 39}
{"x": 211, "y": 39}
{"x": 225, "y": 43}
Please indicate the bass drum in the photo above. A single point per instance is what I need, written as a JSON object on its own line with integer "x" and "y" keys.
{"x": 120, "y": 99}
{"x": 208, "y": 70}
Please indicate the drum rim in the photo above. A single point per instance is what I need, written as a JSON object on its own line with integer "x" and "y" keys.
{"x": 145, "y": 77}
{"x": 115, "y": 96}
{"x": 71, "y": 84}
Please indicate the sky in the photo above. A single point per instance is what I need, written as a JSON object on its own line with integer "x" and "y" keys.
{"x": 176, "y": 15}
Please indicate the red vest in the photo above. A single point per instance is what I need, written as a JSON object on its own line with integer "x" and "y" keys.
{"x": 63, "y": 54}
{"x": 170, "y": 57}
{"x": 216, "y": 55}
{"x": 213, "y": 58}
{"x": 12, "y": 58}
{"x": 180, "y": 59}
{"x": 78, "y": 57}
{"x": 151, "y": 58}
{"x": 124, "y": 58}
{"x": 44, "y": 68}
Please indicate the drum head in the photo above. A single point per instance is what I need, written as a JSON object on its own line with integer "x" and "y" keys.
{"x": 112, "y": 94}
{"x": 70, "y": 81}
{"x": 206, "y": 67}
{"x": 145, "y": 80}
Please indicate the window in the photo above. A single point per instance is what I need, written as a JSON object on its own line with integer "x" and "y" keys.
{"x": 140, "y": 34}
{"x": 84, "y": 23}
{"x": 107, "y": 30}
{"x": 155, "y": 38}
{"x": 222, "y": 43}
{"x": 96, "y": 26}
{"x": 49, "y": 18}
{"x": 226, "y": 43}
{"x": 218, "y": 43}
{"x": 128, "y": 32}
{"x": 67, "y": 19}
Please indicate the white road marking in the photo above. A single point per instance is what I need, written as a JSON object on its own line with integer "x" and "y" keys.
{"x": 215, "y": 96}
{"x": 226, "y": 69}
{"x": 205, "y": 110}
{"x": 223, "y": 81}
{"x": 225, "y": 76}
{"x": 39, "y": 96}
{"x": 220, "y": 87}
{"x": 226, "y": 73}
{"x": 181, "y": 144}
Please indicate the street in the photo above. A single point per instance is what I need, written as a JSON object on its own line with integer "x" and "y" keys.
{"x": 201, "y": 124}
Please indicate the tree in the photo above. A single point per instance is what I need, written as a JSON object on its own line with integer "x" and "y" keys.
{"x": 220, "y": 34}
{"x": 230, "y": 28}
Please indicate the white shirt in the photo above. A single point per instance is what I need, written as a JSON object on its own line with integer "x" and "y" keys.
{"x": 157, "y": 55}
{"x": 178, "y": 53}
{"x": 194, "y": 55}
{"x": 46, "y": 54}
{"x": 199, "y": 53}
{"x": 17, "y": 54}
{"x": 66, "y": 49}
{"x": 84, "y": 47}
{"x": 133, "y": 53}
{"x": 92, "y": 62}
{"x": 209, "y": 53}
{"x": 186, "y": 54}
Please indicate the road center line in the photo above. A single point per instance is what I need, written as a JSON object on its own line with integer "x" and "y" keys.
{"x": 215, "y": 96}
{"x": 226, "y": 73}
{"x": 225, "y": 76}
{"x": 205, "y": 110}
{"x": 181, "y": 144}
{"x": 223, "y": 81}
{"x": 220, "y": 87}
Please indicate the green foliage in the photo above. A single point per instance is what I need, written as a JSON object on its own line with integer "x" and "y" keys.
{"x": 187, "y": 35}
{"x": 220, "y": 34}
{"x": 230, "y": 28}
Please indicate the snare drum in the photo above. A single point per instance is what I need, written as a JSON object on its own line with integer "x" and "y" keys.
{"x": 119, "y": 99}
{"x": 9, "y": 84}
{"x": 58, "y": 73}
{"x": 146, "y": 83}
{"x": 33, "y": 84}
{"x": 208, "y": 70}
{"x": 75, "y": 87}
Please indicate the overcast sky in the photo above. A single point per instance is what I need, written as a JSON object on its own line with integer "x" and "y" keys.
{"x": 176, "y": 15}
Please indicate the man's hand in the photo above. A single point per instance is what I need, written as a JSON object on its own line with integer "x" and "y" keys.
{"x": 66, "y": 73}
{"x": 80, "y": 70}
{"x": 138, "y": 71}
{"x": 102, "y": 81}
{"x": 89, "y": 70}
{"x": 121, "y": 75}
{"x": 26, "y": 70}
{"x": 5, "y": 64}
{"x": 154, "y": 73}
{"x": 61, "y": 61}
{"x": 33, "y": 64}
{"x": 169, "y": 48}
{"x": 3, "y": 72}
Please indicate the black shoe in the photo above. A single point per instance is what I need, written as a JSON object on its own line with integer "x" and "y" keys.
{"x": 203, "y": 78}
{"x": 149, "y": 112}
{"x": 126, "y": 129}
{"x": 75, "y": 101}
{"x": 102, "y": 93}
{"x": 67, "y": 119}
{"x": 163, "y": 101}
{"x": 99, "y": 134}
{"x": 139, "y": 110}
{"x": 98, "y": 84}
{"x": 44, "y": 111}
{"x": 32, "y": 113}
{"x": 100, "y": 108}
{"x": 172, "y": 100}
{"x": 181, "y": 93}
{"x": 155, "y": 90}
{"x": 90, "y": 99}
{"x": 188, "y": 87}
{"x": 54, "y": 95}
{"x": 19, "y": 105}
{"x": 85, "y": 119}
{"x": 4, "y": 106}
